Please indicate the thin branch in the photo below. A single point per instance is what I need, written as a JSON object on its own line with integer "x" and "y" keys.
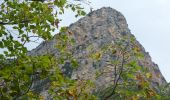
{"x": 117, "y": 80}
{"x": 29, "y": 88}
{"x": 3, "y": 3}
{"x": 38, "y": 0}
{"x": 32, "y": 36}
{"x": 13, "y": 23}
{"x": 119, "y": 76}
{"x": 1, "y": 94}
{"x": 35, "y": 41}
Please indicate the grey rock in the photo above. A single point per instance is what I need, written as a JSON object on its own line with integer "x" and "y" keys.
{"x": 92, "y": 32}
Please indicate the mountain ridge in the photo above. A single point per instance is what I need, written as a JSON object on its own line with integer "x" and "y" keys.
{"x": 92, "y": 33}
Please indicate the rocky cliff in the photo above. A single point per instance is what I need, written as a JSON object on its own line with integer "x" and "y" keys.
{"x": 92, "y": 33}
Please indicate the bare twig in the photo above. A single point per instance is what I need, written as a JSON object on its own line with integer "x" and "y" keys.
{"x": 13, "y": 23}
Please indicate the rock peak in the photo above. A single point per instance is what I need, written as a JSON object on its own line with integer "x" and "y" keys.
{"x": 102, "y": 19}
{"x": 92, "y": 33}
{"x": 107, "y": 10}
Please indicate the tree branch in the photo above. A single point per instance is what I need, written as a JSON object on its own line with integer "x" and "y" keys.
{"x": 119, "y": 76}
{"x": 13, "y": 23}
{"x": 30, "y": 85}
{"x": 117, "y": 80}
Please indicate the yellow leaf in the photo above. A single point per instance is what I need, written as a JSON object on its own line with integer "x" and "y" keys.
{"x": 150, "y": 93}
{"x": 139, "y": 77}
{"x": 41, "y": 98}
{"x": 135, "y": 98}
{"x": 148, "y": 75}
{"x": 96, "y": 56}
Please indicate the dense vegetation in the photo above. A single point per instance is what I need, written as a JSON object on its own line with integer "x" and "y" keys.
{"x": 24, "y": 21}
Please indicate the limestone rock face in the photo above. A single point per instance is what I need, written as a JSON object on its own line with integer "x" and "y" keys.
{"x": 92, "y": 32}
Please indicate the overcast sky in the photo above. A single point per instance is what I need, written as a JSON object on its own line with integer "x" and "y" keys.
{"x": 149, "y": 21}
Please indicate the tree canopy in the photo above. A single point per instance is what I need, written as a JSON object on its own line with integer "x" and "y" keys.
{"x": 22, "y": 21}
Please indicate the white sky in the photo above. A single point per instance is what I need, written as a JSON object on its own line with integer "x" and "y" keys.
{"x": 148, "y": 20}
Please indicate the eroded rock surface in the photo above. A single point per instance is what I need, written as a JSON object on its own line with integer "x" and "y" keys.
{"x": 92, "y": 32}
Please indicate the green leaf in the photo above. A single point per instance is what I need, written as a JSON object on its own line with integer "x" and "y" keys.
{"x": 74, "y": 63}
{"x": 83, "y": 13}
{"x": 1, "y": 44}
{"x": 15, "y": 27}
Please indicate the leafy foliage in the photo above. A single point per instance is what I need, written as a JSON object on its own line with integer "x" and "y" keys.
{"x": 20, "y": 74}
{"x": 131, "y": 81}
{"x": 22, "y": 20}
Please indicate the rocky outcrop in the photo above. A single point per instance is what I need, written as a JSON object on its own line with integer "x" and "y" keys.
{"x": 98, "y": 29}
